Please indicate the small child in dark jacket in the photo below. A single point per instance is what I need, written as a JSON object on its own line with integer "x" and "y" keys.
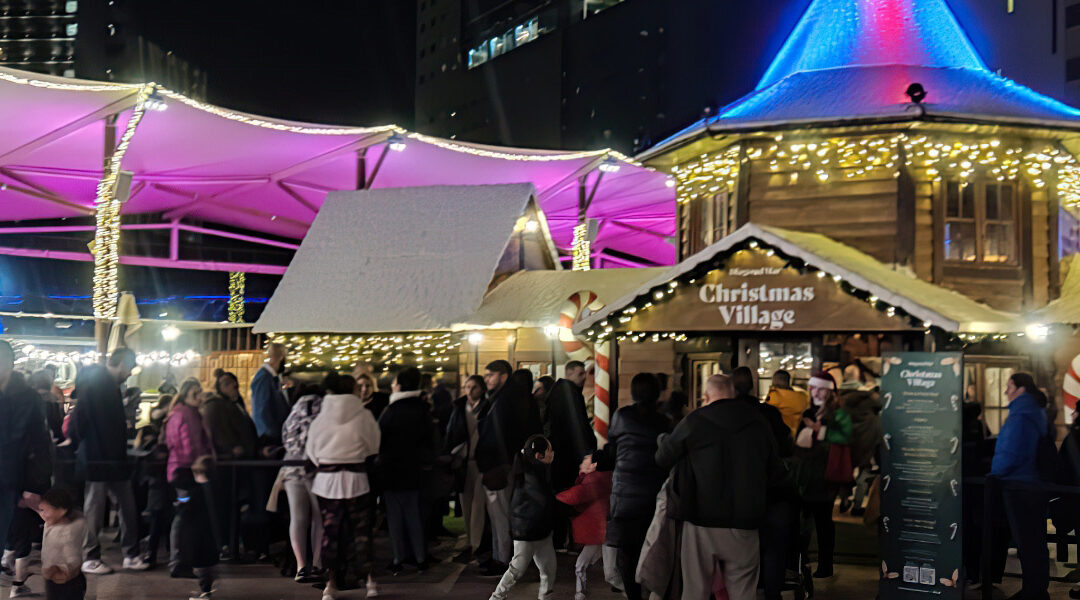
{"x": 590, "y": 498}
{"x": 532, "y": 518}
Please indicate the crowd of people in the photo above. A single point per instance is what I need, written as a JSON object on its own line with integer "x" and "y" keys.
{"x": 675, "y": 504}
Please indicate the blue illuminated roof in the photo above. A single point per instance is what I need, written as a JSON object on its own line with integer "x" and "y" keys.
{"x": 850, "y": 62}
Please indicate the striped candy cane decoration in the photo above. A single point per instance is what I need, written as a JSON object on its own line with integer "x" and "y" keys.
{"x": 579, "y": 349}
{"x": 1071, "y": 385}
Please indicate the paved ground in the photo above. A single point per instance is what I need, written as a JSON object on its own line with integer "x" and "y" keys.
{"x": 446, "y": 580}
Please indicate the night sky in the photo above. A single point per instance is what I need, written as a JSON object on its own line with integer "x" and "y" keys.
{"x": 349, "y": 62}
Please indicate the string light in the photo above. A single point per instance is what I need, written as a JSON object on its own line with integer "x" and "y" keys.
{"x": 605, "y": 328}
{"x": 928, "y": 156}
{"x": 27, "y": 352}
{"x": 107, "y": 230}
{"x": 340, "y": 350}
{"x": 236, "y": 297}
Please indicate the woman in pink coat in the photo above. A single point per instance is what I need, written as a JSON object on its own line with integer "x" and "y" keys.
{"x": 194, "y": 535}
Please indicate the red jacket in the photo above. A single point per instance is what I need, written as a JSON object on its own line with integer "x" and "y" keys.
{"x": 590, "y": 496}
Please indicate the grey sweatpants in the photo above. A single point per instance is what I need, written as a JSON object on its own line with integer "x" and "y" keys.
{"x": 541, "y": 552}
{"x": 588, "y": 557}
{"x": 737, "y": 553}
{"x": 94, "y": 510}
{"x": 498, "y": 510}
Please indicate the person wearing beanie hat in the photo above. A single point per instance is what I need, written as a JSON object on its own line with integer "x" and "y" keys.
{"x": 825, "y": 423}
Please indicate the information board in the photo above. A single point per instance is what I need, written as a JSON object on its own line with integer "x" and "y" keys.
{"x": 921, "y": 418}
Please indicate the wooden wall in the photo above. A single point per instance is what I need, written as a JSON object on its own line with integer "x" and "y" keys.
{"x": 652, "y": 357}
{"x": 860, "y": 213}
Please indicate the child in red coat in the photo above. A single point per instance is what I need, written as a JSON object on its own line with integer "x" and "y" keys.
{"x": 590, "y": 497}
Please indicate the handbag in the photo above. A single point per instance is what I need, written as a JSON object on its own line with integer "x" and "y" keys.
{"x": 838, "y": 469}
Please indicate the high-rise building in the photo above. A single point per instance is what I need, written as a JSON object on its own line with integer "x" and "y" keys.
{"x": 98, "y": 39}
{"x": 628, "y": 73}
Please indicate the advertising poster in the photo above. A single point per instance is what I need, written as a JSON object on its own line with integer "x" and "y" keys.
{"x": 921, "y": 541}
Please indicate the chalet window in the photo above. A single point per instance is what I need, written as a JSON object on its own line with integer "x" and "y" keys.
{"x": 980, "y": 223}
{"x": 704, "y": 221}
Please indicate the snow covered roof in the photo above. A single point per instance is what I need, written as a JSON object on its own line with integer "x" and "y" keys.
{"x": 402, "y": 259}
{"x": 1066, "y": 309}
{"x": 535, "y": 298}
{"x": 850, "y": 62}
{"x": 933, "y": 304}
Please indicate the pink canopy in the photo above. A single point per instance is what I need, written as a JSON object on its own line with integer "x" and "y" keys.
{"x": 195, "y": 164}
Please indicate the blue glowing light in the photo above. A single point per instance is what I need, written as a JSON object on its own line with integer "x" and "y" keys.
{"x": 863, "y": 33}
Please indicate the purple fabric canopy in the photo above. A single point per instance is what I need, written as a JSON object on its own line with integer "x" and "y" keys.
{"x": 198, "y": 162}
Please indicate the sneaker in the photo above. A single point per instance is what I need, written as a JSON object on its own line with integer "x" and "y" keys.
{"x": 372, "y": 589}
{"x": 395, "y": 568}
{"x": 306, "y": 575}
{"x": 21, "y": 591}
{"x": 96, "y": 567}
{"x": 579, "y": 596}
{"x": 135, "y": 563}
{"x": 201, "y": 596}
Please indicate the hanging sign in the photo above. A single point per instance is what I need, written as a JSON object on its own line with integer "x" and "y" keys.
{"x": 921, "y": 417}
{"x": 758, "y": 292}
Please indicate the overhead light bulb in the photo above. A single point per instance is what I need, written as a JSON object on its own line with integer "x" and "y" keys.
{"x": 610, "y": 165}
{"x": 551, "y": 331}
{"x": 531, "y": 226}
{"x": 475, "y": 338}
{"x": 1037, "y": 331}
{"x": 396, "y": 143}
{"x": 170, "y": 333}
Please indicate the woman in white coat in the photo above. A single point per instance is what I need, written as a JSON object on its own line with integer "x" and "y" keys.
{"x": 340, "y": 441}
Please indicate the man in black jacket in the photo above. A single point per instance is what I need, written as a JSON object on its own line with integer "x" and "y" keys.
{"x": 569, "y": 430}
{"x": 780, "y": 525}
{"x": 725, "y": 458}
{"x": 406, "y": 449}
{"x": 25, "y": 465}
{"x": 100, "y": 432}
{"x": 494, "y": 457}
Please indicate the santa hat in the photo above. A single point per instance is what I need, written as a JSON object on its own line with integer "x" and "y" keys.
{"x": 821, "y": 379}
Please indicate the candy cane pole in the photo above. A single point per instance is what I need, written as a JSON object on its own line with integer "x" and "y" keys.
{"x": 579, "y": 349}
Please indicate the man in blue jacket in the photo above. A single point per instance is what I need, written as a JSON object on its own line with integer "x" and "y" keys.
{"x": 1016, "y": 460}
{"x": 268, "y": 406}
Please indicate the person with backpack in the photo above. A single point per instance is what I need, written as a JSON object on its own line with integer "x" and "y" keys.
{"x": 1022, "y": 457}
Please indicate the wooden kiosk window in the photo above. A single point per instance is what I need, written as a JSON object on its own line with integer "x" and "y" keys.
{"x": 705, "y": 220}
{"x": 985, "y": 378}
{"x": 980, "y": 223}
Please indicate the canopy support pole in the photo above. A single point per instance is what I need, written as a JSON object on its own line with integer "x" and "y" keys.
{"x": 361, "y": 169}
{"x": 107, "y": 230}
{"x": 581, "y": 249}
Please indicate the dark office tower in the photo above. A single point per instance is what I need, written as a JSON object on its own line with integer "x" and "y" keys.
{"x": 628, "y": 73}
{"x": 39, "y": 35}
{"x": 111, "y": 47}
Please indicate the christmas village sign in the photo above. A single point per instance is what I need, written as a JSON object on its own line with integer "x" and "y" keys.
{"x": 756, "y": 291}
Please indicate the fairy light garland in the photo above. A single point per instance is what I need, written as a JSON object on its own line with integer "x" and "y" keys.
{"x": 107, "y": 230}
{"x": 582, "y": 248}
{"x": 932, "y": 157}
{"x": 25, "y": 352}
{"x": 605, "y": 328}
{"x": 339, "y": 351}
{"x": 236, "y": 297}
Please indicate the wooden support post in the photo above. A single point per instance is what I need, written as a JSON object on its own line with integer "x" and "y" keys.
{"x": 904, "y": 253}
